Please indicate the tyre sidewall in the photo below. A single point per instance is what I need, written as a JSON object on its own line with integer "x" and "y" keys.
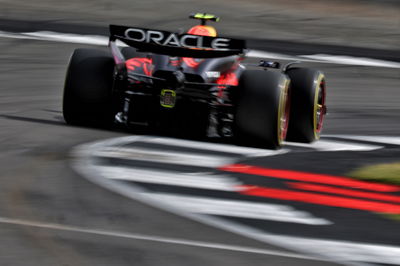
{"x": 257, "y": 118}
{"x": 87, "y": 98}
{"x": 304, "y": 99}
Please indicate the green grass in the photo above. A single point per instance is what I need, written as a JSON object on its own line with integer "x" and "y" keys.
{"x": 385, "y": 173}
{"x": 388, "y": 173}
{"x": 395, "y": 217}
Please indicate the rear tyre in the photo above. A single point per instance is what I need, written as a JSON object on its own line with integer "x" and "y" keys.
{"x": 308, "y": 106}
{"x": 88, "y": 85}
{"x": 261, "y": 114}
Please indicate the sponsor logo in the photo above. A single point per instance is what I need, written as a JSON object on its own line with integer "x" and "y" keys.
{"x": 167, "y": 98}
{"x": 213, "y": 74}
{"x": 176, "y": 40}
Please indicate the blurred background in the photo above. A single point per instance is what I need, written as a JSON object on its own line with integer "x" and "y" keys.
{"x": 358, "y": 23}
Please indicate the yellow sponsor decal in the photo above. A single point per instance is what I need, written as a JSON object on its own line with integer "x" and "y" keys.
{"x": 167, "y": 98}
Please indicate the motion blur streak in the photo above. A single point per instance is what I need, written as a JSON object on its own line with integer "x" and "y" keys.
{"x": 100, "y": 40}
{"x": 348, "y": 192}
{"x": 238, "y": 208}
{"x": 320, "y": 199}
{"x": 308, "y": 177}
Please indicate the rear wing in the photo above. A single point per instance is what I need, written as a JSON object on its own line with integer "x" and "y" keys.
{"x": 173, "y": 44}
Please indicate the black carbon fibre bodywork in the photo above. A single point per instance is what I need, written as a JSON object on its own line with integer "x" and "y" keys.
{"x": 202, "y": 100}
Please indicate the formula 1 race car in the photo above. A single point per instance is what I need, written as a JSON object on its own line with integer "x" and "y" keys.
{"x": 193, "y": 84}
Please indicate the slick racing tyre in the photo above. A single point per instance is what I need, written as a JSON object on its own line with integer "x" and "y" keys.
{"x": 308, "y": 106}
{"x": 88, "y": 85}
{"x": 262, "y": 109}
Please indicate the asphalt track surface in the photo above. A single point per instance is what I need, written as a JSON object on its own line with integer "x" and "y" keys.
{"x": 47, "y": 210}
{"x": 357, "y": 23}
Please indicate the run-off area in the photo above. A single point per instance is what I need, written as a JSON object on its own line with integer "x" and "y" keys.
{"x": 199, "y": 180}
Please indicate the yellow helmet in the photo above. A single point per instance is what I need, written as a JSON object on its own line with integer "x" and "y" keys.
{"x": 203, "y": 29}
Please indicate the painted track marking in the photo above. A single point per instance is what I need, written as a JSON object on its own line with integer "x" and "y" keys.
{"x": 200, "y": 181}
{"x": 346, "y": 250}
{"x": 327, "y": 145}
{"x": 321, "y": 199}
{"x": 87, "y": 165}
{"x": 377, "y": 139}
{"x": 343, "y": 191}
{"x": 153, "y": 238}
{"x": 308, "y": 177}
{"x": 238, "y": 208}
{"x": 351, "y": 60}
{"x": 216, "y": 147}
{"x": 343, "y": 250}
{"x": 169, "y": 157}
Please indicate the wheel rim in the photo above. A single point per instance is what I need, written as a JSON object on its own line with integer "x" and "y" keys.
{"x": 319, "y": 106}
{"x": 283, "y": 114}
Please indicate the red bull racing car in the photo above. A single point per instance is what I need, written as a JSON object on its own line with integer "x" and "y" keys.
{"x": 193, "y": 84}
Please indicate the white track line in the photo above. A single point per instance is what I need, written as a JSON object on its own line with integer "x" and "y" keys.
{"x": 191, "y": 158}
{"x": 200, "y": 181}
{"x": 237, "y": 208}
{"x": 377, "y": 139}
{"x": 103, "y": 40}
{"x": 328, "y": 59}
{"x": 331, "y": 145}
{"x": 263, "y": 54}
{"x": 168, "y": 157}
{"x": 70, "y": 38}
{"x": 153, "y": 238}
{"x": 58, "y": 37}
{"x": 217, "y": 147}
{"x": 120, "y": 142}
{"x": 351, "y": 60}
{"x": 347, "y": 250}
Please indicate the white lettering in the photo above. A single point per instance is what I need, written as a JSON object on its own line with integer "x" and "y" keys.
{"x": 200, "y": 42}
{"x": 154, "y": 36}
{"x": 185, "y": 37}
{"x": 186, "y": 40}
{"x": 133, "y": 34}
{"x": 213, "y": 74}
{"x": 172, "y": 40}
{"x": 220, "y": 44}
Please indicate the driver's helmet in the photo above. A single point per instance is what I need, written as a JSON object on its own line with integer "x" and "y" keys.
{"x": 203, "y": 30}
